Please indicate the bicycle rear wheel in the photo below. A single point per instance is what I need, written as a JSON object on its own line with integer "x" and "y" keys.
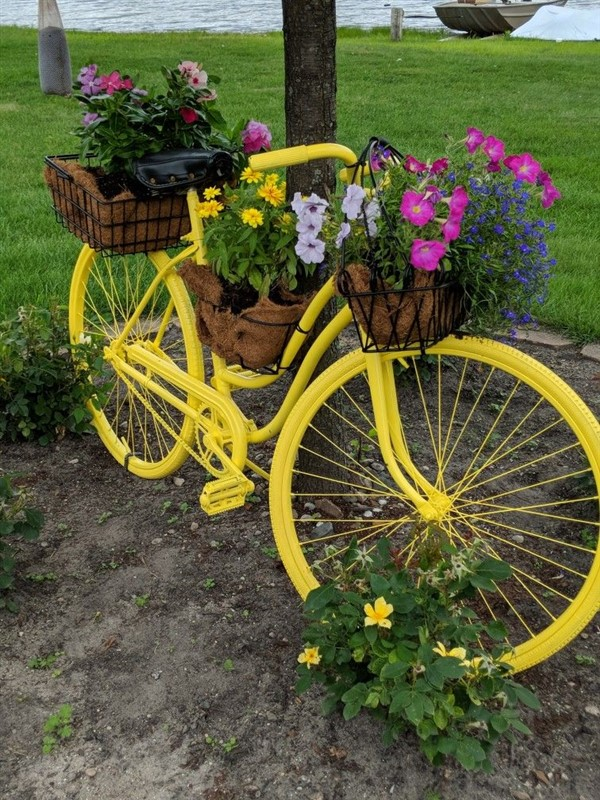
{"x": 511, "y": 448}
{"x": 140, "y": 427}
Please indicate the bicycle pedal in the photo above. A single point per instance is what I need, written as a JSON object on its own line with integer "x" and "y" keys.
{"x": 225, "y": 494}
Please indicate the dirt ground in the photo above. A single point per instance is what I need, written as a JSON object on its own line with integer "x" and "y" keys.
{"x": 177, "y": 637}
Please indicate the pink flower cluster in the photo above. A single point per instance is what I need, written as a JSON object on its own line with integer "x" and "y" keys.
{"x": 196, "y": 77}
{"x": 426, "y": 205}
{"x": 92, "y": 83}
{"x": 523, "y": 166}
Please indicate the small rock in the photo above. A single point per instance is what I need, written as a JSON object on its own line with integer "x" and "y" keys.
{"x": 91, "y": 772}
{"x": 518, "y": 538}
{"x": 594, "y": 711}
{"x": 368, "y": 514}
{"x": 323, "y": 528}
{"x": 541, "y": 776}
{"x": 74, "y": 461}
{"x": 156, "y": 675}
{"x": 329, "y": 508}
{"x": 178, "y": 481}
{"x": 194, "y": 526}
{"x": 156, "y": 540}
{"x": 518, "y": 795}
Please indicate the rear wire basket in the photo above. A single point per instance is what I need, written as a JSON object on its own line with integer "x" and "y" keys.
{"x": 402, "y": 319}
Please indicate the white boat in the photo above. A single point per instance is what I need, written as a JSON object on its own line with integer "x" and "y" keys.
{"x": 486, "y": 18}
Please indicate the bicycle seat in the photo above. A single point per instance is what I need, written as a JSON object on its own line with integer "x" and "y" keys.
{"x": 174, "y": 170}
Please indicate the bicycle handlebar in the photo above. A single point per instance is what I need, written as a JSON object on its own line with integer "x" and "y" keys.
{"x": 301, "y": 154}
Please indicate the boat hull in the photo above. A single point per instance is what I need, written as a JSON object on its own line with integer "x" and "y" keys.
{"x": 486, "y": 19}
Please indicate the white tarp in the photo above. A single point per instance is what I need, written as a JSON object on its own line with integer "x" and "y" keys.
{"x": 561, "y": 25}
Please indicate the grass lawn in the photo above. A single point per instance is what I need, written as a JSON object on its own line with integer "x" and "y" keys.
{"x": 539, "y": 97}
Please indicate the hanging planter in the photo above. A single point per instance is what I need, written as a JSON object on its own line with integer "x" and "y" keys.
{"x": 428, "y": 308}
{"x": 252, "y": 333}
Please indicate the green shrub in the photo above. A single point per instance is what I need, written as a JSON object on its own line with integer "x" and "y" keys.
{"x": 44, "y": 380}
{"x": 17, "y": 519}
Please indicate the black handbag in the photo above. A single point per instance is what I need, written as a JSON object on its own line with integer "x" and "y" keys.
{"x": 174, "y": 170}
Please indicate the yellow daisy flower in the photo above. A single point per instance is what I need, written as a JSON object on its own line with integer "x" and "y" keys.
{"x": 251, "y": 175}
{"x": 310, "y": 655}
{"x": 272, "y": 194}
{"x": 211, "y": 192}
{"x": 379, "y": 613}
{"x": 252, "y": 217}
{"x": 271, "y": 179}
{"x": 210, "y": 208}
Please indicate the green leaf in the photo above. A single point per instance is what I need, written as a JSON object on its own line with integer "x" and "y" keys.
{"x": 379, "y": 585}
{"x": 400, "y": 701}
{"x": 415, "y": 709}
{"x": 526, "y": 696}
{"x": 394, "y": 670}
{"x": 496, "y": 630}
{"x": 498, "y": 723}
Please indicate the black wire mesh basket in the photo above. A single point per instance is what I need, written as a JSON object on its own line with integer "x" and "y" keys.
{"x": 428, "y": 308}
{"x": 124, "y": 224}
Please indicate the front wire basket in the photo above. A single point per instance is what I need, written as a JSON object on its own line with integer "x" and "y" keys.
{"x": 122, "y": 225}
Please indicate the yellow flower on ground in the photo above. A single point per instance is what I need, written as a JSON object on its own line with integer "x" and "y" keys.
{"x": 252, "y": 217}
{"x": 211, "y": 192}
{"x": 210, "y": 208}
{"x": 455, "y": 652}
{"x": 272, "y": 194}
{"x": 379, "y": 613}
{"x": 310, "y": 655}
{"x": 251, "y": 175}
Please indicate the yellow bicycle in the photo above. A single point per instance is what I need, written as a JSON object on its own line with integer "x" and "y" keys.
{"x": 472, "y": 439}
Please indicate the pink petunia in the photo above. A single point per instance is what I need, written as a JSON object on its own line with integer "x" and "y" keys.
{"x": 475, "y": 137}
{"x": 549, "y": 194}
{"x": 256, "y": 137}
{"x": 416, "y": 209}
{"x": 440, "y": 165}
{"x": 524, "y": 166}
{"x": 188, "y": 115}
{"x": 451, "y": 228}
{"x": 426, "y": 255}
{"x": 412, "y": 165}
{"x": 458, "y": 201}
{"x": 493, "y": 148}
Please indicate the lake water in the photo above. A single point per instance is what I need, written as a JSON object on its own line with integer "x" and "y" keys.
{"x": 242, "y": 16}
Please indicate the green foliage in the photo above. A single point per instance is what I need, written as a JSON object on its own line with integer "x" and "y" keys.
{"x": 44, "y": 662}
{"x": 400, "y": 643}
{"x": 17, "y": 520}
{"x": 57, "y": 728}
{"x": 251, "y": 244}
{"x": 44, "y": 380}
{"x": 123, "y": 122}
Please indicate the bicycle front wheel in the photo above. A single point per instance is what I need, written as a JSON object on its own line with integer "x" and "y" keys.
{"x": 511, "y": 449}
{"x": 140, "y": 426}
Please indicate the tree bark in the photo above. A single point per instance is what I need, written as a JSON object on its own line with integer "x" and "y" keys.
{"x": 309, "y": 37}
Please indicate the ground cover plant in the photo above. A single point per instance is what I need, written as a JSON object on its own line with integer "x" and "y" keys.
{"x": 408, "y": 91}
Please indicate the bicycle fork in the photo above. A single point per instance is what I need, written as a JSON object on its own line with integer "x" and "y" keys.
{"x": 430, "y": 503}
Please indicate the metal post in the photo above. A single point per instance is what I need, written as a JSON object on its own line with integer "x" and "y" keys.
{"x": 396, "y": 25}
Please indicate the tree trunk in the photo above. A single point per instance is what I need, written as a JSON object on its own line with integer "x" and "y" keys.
{"x": 309, "y": 36}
